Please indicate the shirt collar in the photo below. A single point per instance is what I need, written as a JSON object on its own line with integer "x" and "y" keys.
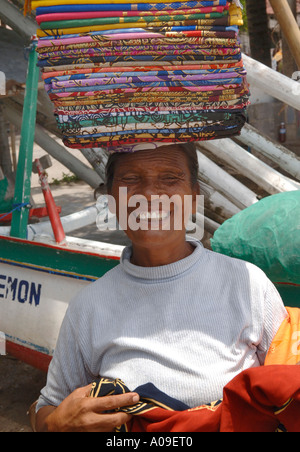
{"x": 155, "y": 274}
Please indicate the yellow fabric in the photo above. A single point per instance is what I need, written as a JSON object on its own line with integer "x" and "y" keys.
{"x": 285, "y": 348}
{"x": 236, "y": 16}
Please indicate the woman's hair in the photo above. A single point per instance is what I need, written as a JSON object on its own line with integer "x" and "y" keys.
{"x": 189, "y": 150}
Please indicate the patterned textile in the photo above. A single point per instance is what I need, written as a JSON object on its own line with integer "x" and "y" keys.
{"x": 94, "y": 68}
{"x": 122, "y": 73}
{"x": 98, "y": 14}
{"x": 122, "y": 4}
{"x": 263, "y": 399}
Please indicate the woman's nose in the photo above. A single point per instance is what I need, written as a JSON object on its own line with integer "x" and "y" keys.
{"x": 150, "y": 187}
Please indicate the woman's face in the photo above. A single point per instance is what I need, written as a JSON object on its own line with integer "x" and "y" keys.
{"x": 153, "y": 195}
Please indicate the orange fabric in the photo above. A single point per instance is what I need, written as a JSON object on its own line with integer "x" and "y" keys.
{"x": 285, "y": 348}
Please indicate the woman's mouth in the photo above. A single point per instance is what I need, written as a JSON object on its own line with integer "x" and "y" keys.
{"x": 153, "y": 215}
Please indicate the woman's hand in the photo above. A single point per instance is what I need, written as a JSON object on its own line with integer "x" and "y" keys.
{"x": 81, "y": 413}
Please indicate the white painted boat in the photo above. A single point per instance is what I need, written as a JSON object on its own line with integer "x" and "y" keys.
{"x": 37, "y": 282}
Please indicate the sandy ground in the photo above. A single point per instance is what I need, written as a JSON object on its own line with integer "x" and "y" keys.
{"x": 20, "y": 385}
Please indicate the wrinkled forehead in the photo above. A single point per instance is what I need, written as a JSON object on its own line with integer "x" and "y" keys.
{"x": 161, "y": 156}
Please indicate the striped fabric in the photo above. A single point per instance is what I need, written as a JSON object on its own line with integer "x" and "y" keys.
{"x": 181, "y": 60}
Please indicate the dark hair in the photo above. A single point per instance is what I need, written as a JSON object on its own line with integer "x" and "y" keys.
{"x": 189, "y": 150}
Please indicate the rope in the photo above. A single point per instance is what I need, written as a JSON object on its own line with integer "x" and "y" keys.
{"x": 15, "y": 207}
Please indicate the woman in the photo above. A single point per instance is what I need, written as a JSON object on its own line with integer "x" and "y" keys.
{"x": 172, "y": 313}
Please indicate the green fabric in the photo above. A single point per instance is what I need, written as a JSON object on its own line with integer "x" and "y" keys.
{"x": 131, "y": 19}
{"x": 266, "y": 234}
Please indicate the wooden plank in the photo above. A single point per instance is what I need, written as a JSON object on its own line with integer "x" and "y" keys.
{"x": 272, "y": 82}
{"x": 57, "y": 151}
{"x": 231, "y": 188}
{"x": 250, "y": 166}
{"x": 286, "y": 159}
{"x": 217, "y": 203}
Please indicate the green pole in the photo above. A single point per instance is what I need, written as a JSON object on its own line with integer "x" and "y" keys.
{"x": 24, "y": 168}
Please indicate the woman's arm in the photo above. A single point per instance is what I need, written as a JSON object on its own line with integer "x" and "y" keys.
{"x": 81, "y": 413}
{"x": 41, "y": 417}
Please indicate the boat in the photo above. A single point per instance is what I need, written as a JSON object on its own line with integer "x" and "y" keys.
{"x": 37, "y": 282}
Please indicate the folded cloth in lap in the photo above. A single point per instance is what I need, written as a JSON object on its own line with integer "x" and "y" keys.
{"x": 262, "y": 399}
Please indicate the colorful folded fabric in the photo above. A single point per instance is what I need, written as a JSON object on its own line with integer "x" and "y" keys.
{"x": 120, "y": 72}
{"x": 38, "y": 3}
{"x": 113, "y": 14}
{"x": 145, "y": 7}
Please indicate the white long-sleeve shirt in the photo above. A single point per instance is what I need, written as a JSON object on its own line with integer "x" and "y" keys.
{"x": 188, "y": 327}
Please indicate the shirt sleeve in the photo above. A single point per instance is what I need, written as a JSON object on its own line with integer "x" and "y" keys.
{"x": 67, "y": 370}
{"x": 274, "y": 313}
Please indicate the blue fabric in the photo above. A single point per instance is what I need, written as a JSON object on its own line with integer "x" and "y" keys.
{"x": 140, "y": 30}
{"x": 137, "y": 74}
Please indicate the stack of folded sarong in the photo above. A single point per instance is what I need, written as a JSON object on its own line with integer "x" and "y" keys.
{"x": 121, "y": 73}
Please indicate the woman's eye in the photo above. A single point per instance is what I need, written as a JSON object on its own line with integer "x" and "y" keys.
{"x": 169, "y": 178}
{"x": 129, "y": 179}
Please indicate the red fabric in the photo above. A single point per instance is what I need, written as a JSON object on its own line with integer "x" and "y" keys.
{"x": 251, "y": 403}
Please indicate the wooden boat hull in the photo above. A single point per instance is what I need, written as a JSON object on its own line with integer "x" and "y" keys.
{"x": 37, "y": 282}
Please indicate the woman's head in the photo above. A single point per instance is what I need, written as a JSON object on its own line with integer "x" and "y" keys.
{"x": 154, "y": 192}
